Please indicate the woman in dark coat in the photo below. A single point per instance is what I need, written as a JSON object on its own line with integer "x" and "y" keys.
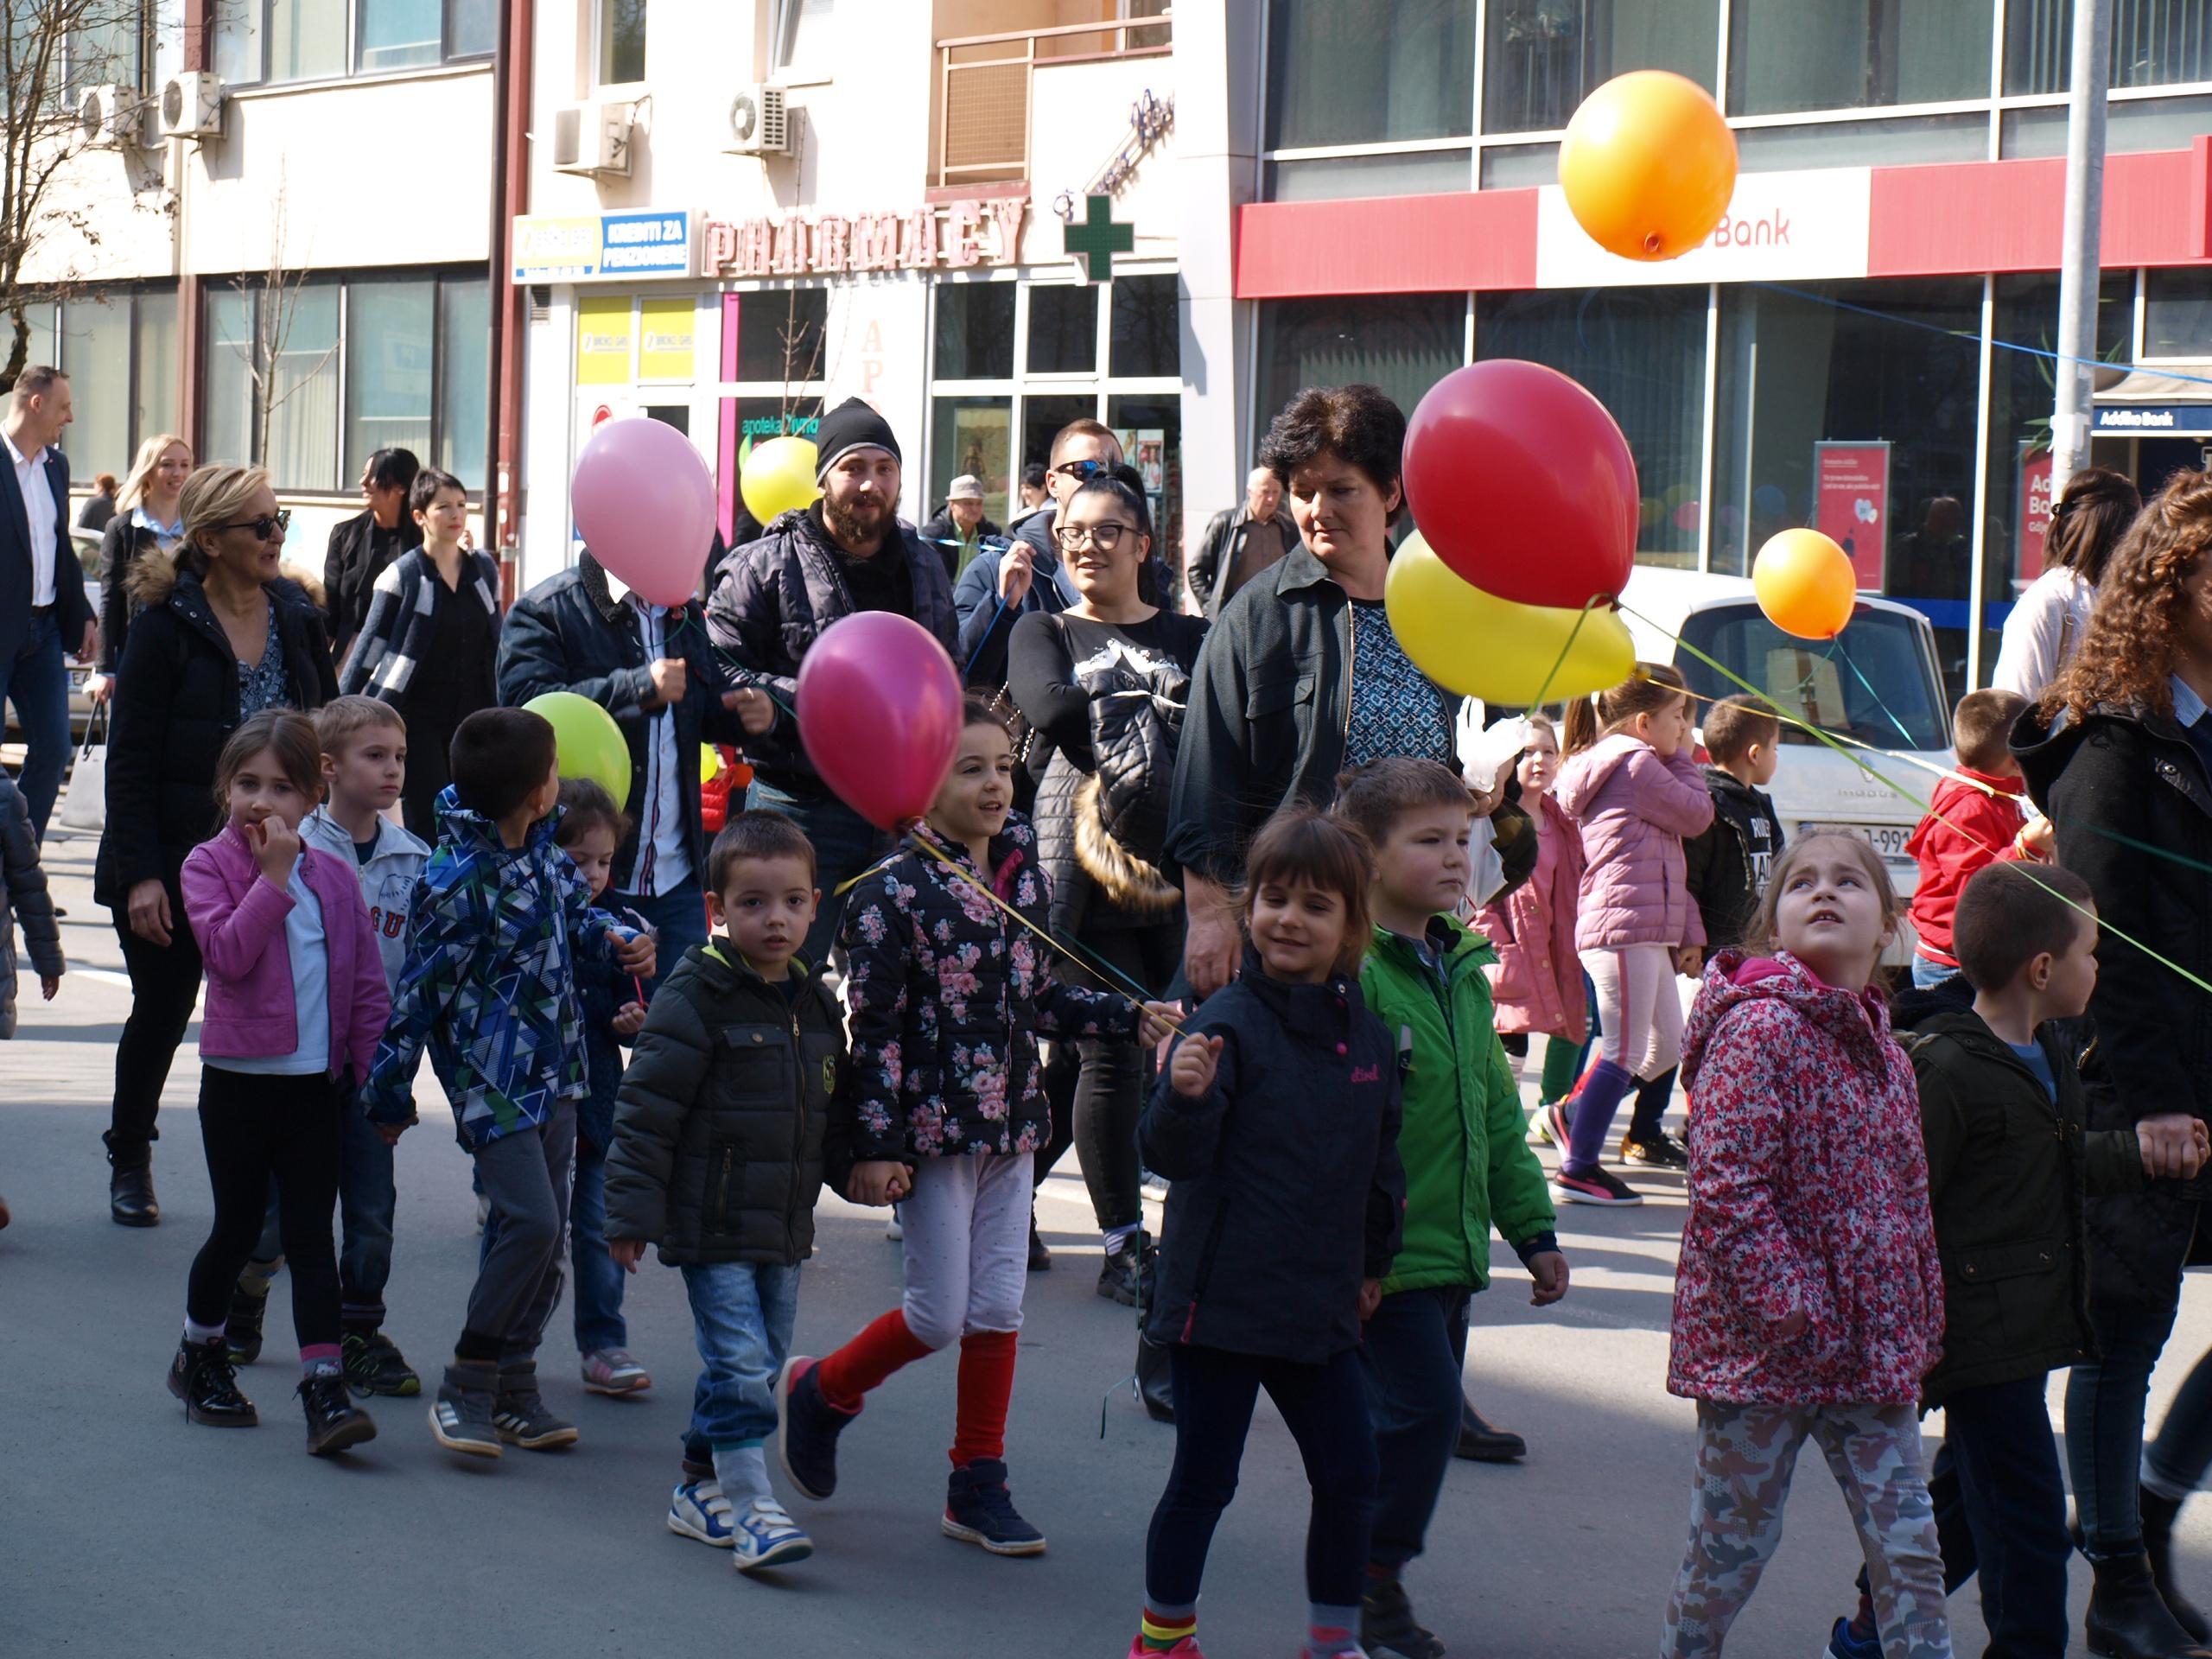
{"x": 2119, "y": 754}
{"x": 220, "y": 634}
{"x": 144, "y": 521}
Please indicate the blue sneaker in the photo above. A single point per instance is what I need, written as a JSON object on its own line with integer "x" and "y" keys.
{"x": 807, "y": 1427}
{"x": 978, "y": 1509}
{"x": 767, "y": 1536}
{"x": 1842, "y": 1644}
{"x": 698, "y": 1510}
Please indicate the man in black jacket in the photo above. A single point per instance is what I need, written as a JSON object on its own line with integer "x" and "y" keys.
{"x": 813, "y": 567}
{"x": 1240, "y": 542}
{"x": 653, "y": 670}
{"x": 361, "y": 547}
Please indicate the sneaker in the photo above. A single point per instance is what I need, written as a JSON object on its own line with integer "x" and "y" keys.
{"x": 1558, "y": 1121}
{"x": 461, "y": 1417}
{"x": 611, "y": 1371}
{"x": 1186, "y": 1649}
{"x": 978, "y": 1509}
{"x": 698, "y": 1510}
{"x": 894, "y": 1230}
{"x": 334, "y": 1422}
{"x": 1661, "y": 1151}
{"x": 520, "y": 1415}
{"x": 1842, "y": 1644}
{"x": 242, "y": 1330}
{"x": 1387, "y": 1627}
{"x": 201, "y": 1377}
{"x": 768, "y": 1537}
{"x": 807, "y": 1427}
{"x": 1540, "y": 1126}
{"x": 1596, "y": 1184}
{"x": 1127, "y": 1275}
{"x": 375, "y": 1365}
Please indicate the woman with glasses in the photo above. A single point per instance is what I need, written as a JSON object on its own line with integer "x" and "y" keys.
{"x": 221, "y": 633}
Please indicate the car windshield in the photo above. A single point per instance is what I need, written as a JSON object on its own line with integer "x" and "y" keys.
{"x": 1872, "y": 682}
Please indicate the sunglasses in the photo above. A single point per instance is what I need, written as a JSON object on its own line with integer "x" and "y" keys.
{"x": 1086, "y": 470}
{"x": 262, "y": 528}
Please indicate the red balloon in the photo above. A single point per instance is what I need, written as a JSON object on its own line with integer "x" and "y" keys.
{"x": 880, "y": 712}
{"x": 1522, "y": 484}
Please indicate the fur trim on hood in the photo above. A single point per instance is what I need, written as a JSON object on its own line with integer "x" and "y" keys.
{"x": 152, "y": 578}
{"x": 1129, "y": 881}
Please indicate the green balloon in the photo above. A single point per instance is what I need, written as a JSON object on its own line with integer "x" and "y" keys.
{"x": 587, "y": 740}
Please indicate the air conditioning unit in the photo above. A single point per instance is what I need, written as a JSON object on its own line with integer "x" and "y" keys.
{"x": 113, "y": 118}
{"x": 759, "y": 123}
{"x": 192, "y": 105}
{"x": 593, "y": 138}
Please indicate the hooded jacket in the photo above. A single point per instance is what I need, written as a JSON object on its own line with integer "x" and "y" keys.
{"x": 1459, "y": 1136}
{"x": 987, "y": 632}
{"x": 23, "y": 899}
{"x": 176, "y": 704}
{"x": 1972, "y": 821}
{"x": 720, "y": 1123}
{"x": 1286, "y": 1190}
{"x": 489, "y": 986}
{"x": 1634, "y": 810}
{"x": 948, "y": 997}
{"x": 2008, "y": 1171}
{"x": 1807, "y": 1192}
{"x": 1727, "y": 863}
{"x": 775, "y": 598}
{"x": 387, "y": 879}
{"x": 1537, "y": 979}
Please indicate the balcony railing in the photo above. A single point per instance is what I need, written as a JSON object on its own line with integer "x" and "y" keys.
{"x": 984, "y": 88}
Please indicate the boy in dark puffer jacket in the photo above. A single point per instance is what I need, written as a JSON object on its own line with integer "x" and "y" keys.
{"x": 717, "y": 1158}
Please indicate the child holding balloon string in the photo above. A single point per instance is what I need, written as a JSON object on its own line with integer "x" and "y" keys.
{"x": 948, "y": 992}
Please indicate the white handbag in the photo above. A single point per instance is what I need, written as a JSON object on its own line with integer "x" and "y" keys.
{"x": 84, "y": 805}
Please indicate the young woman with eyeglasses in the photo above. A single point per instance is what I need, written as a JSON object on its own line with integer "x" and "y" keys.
{"x": 221, "y": 634}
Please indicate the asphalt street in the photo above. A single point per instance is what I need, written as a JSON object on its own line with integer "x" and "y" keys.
{"x": 128, "y": 1532}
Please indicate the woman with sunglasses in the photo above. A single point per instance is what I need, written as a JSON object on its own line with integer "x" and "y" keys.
{"x": 221, "y": 633}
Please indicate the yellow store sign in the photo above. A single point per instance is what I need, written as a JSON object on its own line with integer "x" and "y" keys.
{"x": 603, "y": 336}
{"x": 667, "y": 331}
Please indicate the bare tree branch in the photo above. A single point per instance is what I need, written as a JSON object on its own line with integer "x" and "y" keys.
{"x": 271, "y": 299}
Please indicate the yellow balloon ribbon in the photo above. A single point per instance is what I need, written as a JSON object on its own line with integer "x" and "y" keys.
{"x": 1480, "y": 645}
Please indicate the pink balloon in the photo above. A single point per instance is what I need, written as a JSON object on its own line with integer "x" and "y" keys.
{"x": 879, "y": 713}
{"x": 645, "y": 505}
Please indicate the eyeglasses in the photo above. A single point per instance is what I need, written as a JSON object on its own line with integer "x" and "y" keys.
{"x": 262, "y": 528}
{"x": 1083, "y": 470}
{"x": 1105, "y": 537}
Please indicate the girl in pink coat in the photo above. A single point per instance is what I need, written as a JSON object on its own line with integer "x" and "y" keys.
{"x": 1536, "y": 981}
{"x": 1632, "y": 785}
{"x": 1809, "y": 1302}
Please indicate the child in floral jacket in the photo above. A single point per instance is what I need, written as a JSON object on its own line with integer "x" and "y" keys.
{"x": 947, "y": 996}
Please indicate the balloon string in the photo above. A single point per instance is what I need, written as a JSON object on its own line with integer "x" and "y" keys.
{"x": 1837, "y": 653}
{"x": 1580, "y": 617}
{"x": 977, "y": 654}
{"x": 1927, "y": 807}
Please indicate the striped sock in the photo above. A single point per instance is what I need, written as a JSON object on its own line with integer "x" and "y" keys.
{"x": 1158, "y": 1631}
{"x": 1328, "y": 1633}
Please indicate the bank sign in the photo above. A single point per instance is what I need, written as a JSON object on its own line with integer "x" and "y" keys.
{"x": 2156, "y": 420}
{"x": 1779, "y": 227}
{"x": 601, "y": 247}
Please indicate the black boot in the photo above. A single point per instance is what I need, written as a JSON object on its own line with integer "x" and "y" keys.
{"x": 130, "y": 1194}
{"x": 242, "y": 1330}
{"x": 334, "y": 1422}
{"x": 200, "y": 1376}
{"x": 1155, "y": 1383}
{"x": 1040, "y": 1259}
{"x": 1480, "y": 1443}
{"x": 2158, "y": 1515}
{"x": 2126, "y": 1620}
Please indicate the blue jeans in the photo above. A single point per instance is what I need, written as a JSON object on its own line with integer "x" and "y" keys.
{"x": 742, "y": 1313}
{"x": 1927, "y": 975}
{"x": 678, "y": 917}
{"x": 37, "y": 681}
{"x": 1413, "y": 1355}
{"x": 599, "y": 1276}
{"x": 845, "y": 844}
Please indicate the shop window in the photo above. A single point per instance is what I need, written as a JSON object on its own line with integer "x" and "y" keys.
{"x": 1348, "y": 71}
{"x": 1063, "y": 328}
{"x": 779, "y": 334}
{"x": 1641, "y": 352}
{"x": 974, "y": 330}
{"x": 1838, "y": 55}
{"x": 388, "y": 345}
{"x": 1332, "y": 178}
{"x": 464, "y": 377}
{"x": 1146, "y": 330}
{"x": 2177, "y": 313}
{"x": 621, "y": 42}
{"x": 1150, "y": 430}
{"x": 2154, "y": 43}
{"x": 1042, "y": 418}
{"x": 1541, "y": 57}
{"x": 973, "y": 436}
{"x": 1404, "y": 343}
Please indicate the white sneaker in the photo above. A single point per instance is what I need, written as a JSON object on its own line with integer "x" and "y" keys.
{"x": 763, "y": 1536}
{"x": 698, "y": 1510}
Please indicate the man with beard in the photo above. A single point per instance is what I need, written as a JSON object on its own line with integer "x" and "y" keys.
{"x": 813, "y": 567}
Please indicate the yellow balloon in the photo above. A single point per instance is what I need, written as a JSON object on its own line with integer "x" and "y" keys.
{"x": 1805, "y": 584}
{"x": 710, "y": 764}
{"x": 1480, "y": 645}
{"x": 778, "y": 477}
{"x": 587, "y": 741}
{"x": 1648, "y": 165}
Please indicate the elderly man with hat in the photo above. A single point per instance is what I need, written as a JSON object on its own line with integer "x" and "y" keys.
{"x": 811, "y": 568}
{"x": 958, "y": 528}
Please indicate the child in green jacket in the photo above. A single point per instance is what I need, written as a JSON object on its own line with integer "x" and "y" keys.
{"x": 1466, "y": 1164}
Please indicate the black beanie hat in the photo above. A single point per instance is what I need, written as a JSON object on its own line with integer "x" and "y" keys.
{"x": 852, "y": 425}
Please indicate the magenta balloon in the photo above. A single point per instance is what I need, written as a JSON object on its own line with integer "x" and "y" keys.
{"x": 643, "y": 500}
{"x": 880, "y": 712}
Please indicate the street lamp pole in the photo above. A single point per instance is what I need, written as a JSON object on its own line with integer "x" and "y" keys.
{"x": 2080, "y": 266}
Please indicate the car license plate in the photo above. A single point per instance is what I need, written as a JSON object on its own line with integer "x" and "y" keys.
{"x": 1889, "y": 839}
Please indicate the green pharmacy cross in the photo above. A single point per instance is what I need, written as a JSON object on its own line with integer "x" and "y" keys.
{"x": 1098, "y": 239}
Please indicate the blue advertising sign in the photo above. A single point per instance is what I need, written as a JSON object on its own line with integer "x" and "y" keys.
{"x": 2158, "y": 419}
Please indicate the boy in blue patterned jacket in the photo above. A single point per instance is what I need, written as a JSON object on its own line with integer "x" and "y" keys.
{"x": 489, "y": 987}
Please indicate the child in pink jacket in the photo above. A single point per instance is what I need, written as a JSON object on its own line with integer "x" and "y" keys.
{"x": 1631, "y": 783}
{"x": 1536, "y": 983}
{"x": 295, "y": 1004}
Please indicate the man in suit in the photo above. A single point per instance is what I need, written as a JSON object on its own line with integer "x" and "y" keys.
{"x": 43, "y": 610}
{"x": 361, "y": 547}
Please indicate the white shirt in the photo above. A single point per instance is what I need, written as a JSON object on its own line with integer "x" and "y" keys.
{"x": 38, "y": 507}
{"x": 664, "y": 854}
{"x": 2043, "y": 631}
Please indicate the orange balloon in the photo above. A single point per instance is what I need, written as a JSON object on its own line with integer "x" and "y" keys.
{"x": 1805, "y": 584}
{"x": 1648, "y": 165}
